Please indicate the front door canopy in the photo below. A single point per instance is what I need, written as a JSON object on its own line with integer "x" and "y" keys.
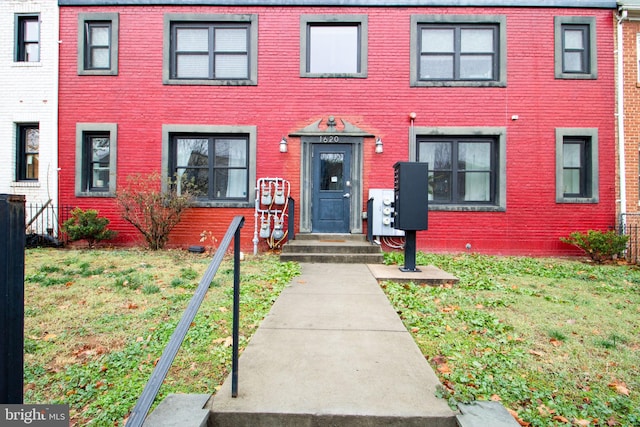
{"x": 330, "y": 127}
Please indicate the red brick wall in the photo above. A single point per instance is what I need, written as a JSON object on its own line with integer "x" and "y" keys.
{"x": 282, "y": 102}
{"x": 631, "y": 113}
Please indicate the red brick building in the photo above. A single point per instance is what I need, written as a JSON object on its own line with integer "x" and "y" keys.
{"x": 513, "y": 109}
{"x": 628, "y": 90}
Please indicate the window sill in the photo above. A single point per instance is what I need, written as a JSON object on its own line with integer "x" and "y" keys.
{"x": 207, "y": 82}
{"x": 96, "y": 194}
{"x": 577, "y": 76}
{"x": 219, "y": 204}
{"x": 333, "y": 76}
{"x": 577, "y": 200}
{"x": 465, "y": 208}
{"x": 456, "y": 83}
{"x": 98, "y": 72}
{"x": 26, "y": 184}
{"x": 26, "y": 64}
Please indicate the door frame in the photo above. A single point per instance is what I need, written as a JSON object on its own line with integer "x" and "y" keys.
{"x": 342, "y": 223}
{"x": 306, "y": 179}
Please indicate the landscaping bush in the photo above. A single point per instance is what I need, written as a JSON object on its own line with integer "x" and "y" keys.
{"x": 150, "y": 210}
{"x": 87, "y": 225}
{"x": 598, "y": 245}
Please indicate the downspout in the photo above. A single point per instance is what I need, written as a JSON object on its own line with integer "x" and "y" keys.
{"x": 621, "y": 16}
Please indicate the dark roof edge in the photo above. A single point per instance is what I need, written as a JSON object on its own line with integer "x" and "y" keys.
{"x": 584, "y": 4}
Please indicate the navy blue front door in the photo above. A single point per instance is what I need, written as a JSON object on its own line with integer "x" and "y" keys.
{"x": 331, "y": 200}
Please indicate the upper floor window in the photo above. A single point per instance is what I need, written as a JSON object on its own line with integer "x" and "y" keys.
{"x": 576, "y": 165}
{"x": 575, "y": 47}
{"x": 96, "y": 153}
{"x": 209, "y": 49}
{"x": 28, "y": 148}
{"x": 333, "y": 46}
{"x": 98, "y": 43}
{"x": 458, "y": 50}
{"x": 461, "y": 52}
{"x": 27, "y": 38}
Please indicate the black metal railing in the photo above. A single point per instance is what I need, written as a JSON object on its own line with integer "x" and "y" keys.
{"x": 43, "y": 222}
{"x": 140, "y": 411}
{"x": 630, "y": 226}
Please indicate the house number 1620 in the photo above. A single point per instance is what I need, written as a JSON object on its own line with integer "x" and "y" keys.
{"x": 330, "y": 138}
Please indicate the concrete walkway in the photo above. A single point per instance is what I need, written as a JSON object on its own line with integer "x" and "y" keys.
{"x": 332, "y": 352}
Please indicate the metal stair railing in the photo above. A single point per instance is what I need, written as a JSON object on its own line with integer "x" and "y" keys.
{"x": 141, "y": 409}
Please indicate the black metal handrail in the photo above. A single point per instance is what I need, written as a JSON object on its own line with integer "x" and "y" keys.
{"x": 140, "y": 411}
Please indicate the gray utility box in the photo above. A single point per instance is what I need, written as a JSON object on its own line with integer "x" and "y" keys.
{"x": 411, "y": 195}
{"x": 382, "y": 213}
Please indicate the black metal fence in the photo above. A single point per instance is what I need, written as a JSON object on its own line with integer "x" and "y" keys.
{"x": 630, "y": 226}
{"x": 43, "y": 222}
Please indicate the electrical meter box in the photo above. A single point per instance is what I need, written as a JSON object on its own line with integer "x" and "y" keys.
{"x": 382, "y": 213}
{"x": 411, "y": 195}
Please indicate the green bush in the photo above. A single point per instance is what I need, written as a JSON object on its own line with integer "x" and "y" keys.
{"x": 87, "y": 225}
{"x": 598, "y": 245}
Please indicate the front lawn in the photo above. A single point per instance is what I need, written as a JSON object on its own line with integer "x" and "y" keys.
{"x": 557, "y": 341}
{"x": 96, "y": 322}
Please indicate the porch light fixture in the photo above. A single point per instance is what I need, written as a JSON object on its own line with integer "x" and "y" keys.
{"x": 379, "y": 147}
{"x": 283, "y": 145}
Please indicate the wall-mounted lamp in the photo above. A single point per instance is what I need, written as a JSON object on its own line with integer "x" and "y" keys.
{"x": 379, "y": 147}
{"x": 283, "y": 145}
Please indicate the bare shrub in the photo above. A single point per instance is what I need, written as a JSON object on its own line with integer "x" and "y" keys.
{"x": 150, "y": 210}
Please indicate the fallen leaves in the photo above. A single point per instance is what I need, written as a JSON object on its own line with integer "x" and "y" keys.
{"x": 560, "y": 418}
{"x": 226, "y": 342}
{"x": 555, "y": 342}
{"x": 520, "y": 421}
{"x": 49, "y": 337}
{"x": 620, "y": 387}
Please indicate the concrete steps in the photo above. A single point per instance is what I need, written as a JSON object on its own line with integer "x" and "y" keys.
{"x": 332, "y": 248}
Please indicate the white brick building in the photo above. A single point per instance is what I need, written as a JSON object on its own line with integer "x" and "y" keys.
{"x": 29, "y": 99}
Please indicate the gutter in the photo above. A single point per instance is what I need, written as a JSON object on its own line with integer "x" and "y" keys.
{"x": 620, "y": 17}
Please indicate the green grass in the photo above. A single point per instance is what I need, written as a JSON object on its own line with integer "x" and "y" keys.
{"x": 96, "y": 322}
{"x": 557, "y": 341}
